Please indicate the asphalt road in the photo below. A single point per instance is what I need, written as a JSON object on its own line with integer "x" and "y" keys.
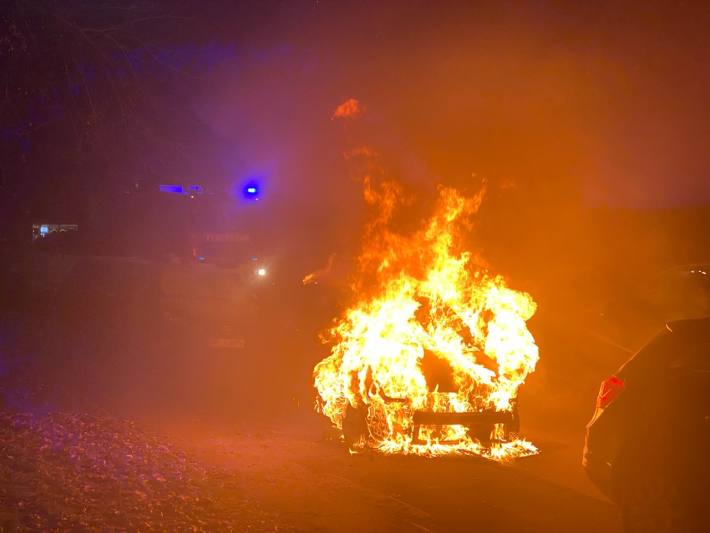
{"x": 293, "y": 464}
{"x": 312, "y": 484}
{"x": 242, "y": 412}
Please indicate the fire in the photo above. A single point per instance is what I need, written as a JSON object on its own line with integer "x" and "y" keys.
{"x": 351, "y": 108}
{"x": 430, "y": 358}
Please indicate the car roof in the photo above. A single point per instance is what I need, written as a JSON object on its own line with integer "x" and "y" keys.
{"x": 677, "y": 335}
{"x": 697, "y": 328}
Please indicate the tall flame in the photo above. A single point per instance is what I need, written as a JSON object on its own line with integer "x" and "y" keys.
{"x": 424, "y": 302}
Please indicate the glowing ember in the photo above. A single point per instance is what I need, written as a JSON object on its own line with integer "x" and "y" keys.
{"x": 430, "y": 358}
{"x": 351, "y": 108}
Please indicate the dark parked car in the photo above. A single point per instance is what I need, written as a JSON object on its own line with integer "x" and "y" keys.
{"x": 648, "y": 444}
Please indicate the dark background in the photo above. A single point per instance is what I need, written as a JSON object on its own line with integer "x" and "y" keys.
{"x": 586, "y": 122}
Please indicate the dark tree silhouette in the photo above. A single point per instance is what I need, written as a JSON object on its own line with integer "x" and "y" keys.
{"x": 92, "y": 95}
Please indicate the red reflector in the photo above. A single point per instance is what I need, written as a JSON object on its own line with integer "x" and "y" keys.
{"x": 609, "y": 391}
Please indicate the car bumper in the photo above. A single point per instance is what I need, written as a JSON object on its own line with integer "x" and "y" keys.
{"x": 483, "y": 420}
{"x": 600, "y": 451}
{"x": 600, "y": 473}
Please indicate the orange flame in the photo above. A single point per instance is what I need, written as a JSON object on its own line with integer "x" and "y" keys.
{"x": 350, "y": 108}
{"x": 425, "y": 302}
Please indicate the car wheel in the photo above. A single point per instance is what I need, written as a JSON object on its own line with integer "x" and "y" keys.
{"x": 651, "y": 502}
{"x": 355, "y": 430}
{"x": 483, "y": 433}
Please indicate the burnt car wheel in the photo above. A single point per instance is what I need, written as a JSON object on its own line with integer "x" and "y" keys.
{"x": 355, "y": 431}
{"x": 483, "y": 433}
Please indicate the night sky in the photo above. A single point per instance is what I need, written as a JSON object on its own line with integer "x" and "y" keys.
{"x": 594, "y": 104}
{"x": 605, "y": 98}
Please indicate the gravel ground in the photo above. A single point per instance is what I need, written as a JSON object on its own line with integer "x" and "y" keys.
{"x": 82, "y": 472}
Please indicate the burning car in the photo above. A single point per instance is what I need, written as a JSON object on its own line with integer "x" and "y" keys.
{"x": 430, "y": 357}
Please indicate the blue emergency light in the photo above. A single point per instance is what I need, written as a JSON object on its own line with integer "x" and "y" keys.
{"x": 172, "y": 189}
{"x": 251, "y": 191}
